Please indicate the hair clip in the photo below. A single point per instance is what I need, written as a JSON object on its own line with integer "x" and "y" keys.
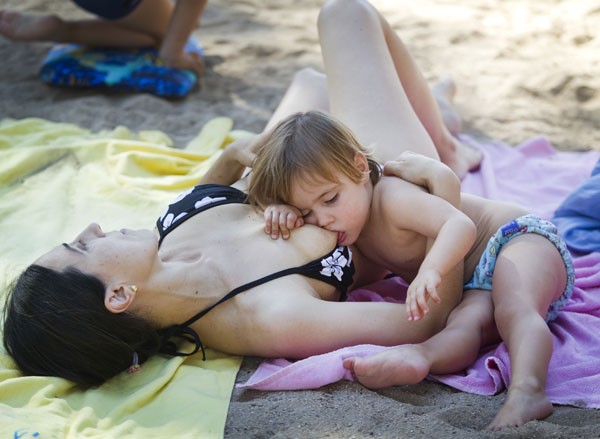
{"x": 135, "y": 365}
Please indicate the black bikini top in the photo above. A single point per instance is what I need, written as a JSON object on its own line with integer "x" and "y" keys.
{"x": 335, "y": 268}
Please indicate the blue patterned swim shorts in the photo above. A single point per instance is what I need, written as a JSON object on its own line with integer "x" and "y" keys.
{"x": 482, "y": 277}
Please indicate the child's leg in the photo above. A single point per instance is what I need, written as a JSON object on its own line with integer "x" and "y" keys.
{"x": 378, "y": 91}
{"x": 529, "y": 275}
{"x": 470, "y": 325}
{"x": 145, "y": 26}
{"x": 20, "y": 26}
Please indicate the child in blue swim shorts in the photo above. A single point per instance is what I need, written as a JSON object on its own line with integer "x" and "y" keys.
{"x": 484, "y": 272}
{"x": 311, "y": 168}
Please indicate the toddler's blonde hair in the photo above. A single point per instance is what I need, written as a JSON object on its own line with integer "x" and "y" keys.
{"x": 311, "y": 146}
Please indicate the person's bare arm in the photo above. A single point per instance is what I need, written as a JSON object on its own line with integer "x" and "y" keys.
{"x": 433, "y": 175}
{"x": 183, "y": 21}
{"x": 439, "y": 180}
{"x": 450, "y": 234}
{"x": 231, "y": 164}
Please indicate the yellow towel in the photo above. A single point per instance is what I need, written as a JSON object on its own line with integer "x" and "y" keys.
{"x": 56, "y": 178}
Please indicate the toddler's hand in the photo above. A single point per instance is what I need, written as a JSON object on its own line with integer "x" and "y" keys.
{"x": 422, "y": 288}
{"x": 280, "y": 219}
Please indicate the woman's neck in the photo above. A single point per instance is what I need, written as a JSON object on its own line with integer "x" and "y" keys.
{"x": 171, "y": 295}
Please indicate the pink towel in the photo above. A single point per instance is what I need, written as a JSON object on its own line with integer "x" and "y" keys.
{"x": 538, "y": 177}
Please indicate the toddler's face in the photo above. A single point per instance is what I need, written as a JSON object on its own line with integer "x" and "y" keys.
{"x": 341, "y": 207}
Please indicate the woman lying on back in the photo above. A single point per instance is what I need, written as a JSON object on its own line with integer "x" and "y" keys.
{"x": 90, "y": 308}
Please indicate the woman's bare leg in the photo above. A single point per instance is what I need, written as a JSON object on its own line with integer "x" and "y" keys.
{"x": 378, "y": 91}
{"x": 307, "y": 91}
{"x": 529, "y": 276}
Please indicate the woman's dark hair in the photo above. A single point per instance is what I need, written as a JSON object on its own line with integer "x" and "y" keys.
{"x": 56, "y": 324}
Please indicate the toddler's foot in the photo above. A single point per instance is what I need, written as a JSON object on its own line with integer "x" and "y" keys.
{"x": 404, "y": 364}
{"x": 29, "y": 27}
{"x": 520, "y": 407}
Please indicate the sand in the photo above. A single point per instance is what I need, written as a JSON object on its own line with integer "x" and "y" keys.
{"x": 523, "y": 69}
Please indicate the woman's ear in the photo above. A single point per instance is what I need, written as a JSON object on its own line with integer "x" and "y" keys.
{"x": 118, "y": 298}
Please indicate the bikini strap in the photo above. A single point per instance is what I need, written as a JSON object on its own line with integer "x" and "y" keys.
{"x": 169, "y": 347}
{"x": 184, "y": 331}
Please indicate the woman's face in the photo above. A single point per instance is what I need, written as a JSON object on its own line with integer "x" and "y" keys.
{"x": 127, "y": 255}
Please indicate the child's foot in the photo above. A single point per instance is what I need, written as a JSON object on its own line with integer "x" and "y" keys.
{"x": 29, "y": 27}
{"x": 404, "y": 364}
{"x": 520, "y": 407}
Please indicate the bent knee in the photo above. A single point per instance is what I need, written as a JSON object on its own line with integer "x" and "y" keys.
{"x": 344, "y": 11}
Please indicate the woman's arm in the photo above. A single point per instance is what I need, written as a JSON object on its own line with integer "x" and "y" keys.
{"x": 233, "y": 161}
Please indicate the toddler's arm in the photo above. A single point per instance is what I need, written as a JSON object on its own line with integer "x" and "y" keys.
{"x": 448, "y": 242}
{"x": 446, "y": 250}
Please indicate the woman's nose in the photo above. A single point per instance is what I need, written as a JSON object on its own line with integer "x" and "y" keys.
{"x": 91, "y": 231}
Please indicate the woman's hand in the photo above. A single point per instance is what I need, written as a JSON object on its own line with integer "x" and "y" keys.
{"x": 281, "y": 219}
{"x": 421, "y": 289}
{"x": 244, "y": 150}
{"x": 437, "y": 178}
{"x": 412, "y": 167}
{"x": 231, "y": 164}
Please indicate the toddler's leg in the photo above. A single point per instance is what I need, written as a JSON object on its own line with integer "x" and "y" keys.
{"x": 470, "y": 325}
{"x": 529, "y": 275}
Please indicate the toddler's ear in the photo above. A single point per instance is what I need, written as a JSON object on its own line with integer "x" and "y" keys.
{"x": 361, "y": 163}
